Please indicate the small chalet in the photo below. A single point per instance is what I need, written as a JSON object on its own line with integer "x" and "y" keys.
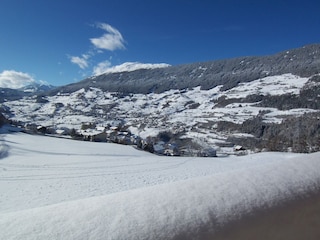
{"x": 238, "y": 148}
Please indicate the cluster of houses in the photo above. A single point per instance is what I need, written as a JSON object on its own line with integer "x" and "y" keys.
{"x": 108, "y": 134}
{"x": 116, "y": 134}
{"x": 92, "y": 133}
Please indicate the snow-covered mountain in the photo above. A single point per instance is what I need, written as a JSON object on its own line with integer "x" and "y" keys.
{"x": 229, "y": 73}
{"x": 257, "y": 102}
{"x": 8, "y": 94}
{"x": 37, "y": 88}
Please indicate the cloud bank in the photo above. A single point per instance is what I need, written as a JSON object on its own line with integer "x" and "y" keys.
{"x": 15, "y": 80}
{"x": 104, "y": 67}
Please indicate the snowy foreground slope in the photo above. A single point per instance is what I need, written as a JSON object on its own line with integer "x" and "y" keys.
{"x": 61, "y": 189}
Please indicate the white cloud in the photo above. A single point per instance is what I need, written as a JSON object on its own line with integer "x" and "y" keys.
{"x": 13, "y": 79}
{"x": 112, "y": 40}
{"x": 101, "y": 67}
{"x": 104, "y": 67}
{"x": 82, "y": 61}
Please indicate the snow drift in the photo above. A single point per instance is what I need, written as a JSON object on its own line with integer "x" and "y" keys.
{"x": 274, "y": 201}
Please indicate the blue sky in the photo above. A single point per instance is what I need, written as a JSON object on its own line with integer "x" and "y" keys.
{"x": 62, "y": 42}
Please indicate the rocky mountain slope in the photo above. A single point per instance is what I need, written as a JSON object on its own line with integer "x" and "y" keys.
{"x": 269, "y": 102}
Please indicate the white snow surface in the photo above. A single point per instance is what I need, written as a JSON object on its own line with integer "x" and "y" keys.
{"x": 133, "y": 66}
{"x": 273, "y": 85}
{"x": 54, "y": 188}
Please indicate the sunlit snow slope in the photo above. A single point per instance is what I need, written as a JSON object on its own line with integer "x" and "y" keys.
{"x": 61, "y": 189}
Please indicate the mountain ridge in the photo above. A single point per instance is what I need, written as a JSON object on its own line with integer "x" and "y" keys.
{"x": 8, "y": 94}
{"x": 228, "y": 72}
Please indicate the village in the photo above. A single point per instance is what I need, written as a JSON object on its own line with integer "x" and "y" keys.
{"x": 165, "y": 143}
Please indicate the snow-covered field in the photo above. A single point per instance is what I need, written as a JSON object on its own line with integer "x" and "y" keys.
{"x": 53, "y": 188}
{"x": 42, "y": 170}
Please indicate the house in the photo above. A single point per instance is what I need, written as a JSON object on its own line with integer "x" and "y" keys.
{"x": 171, "y": 150}
{"x": 30, "y": 128}
{"x": 41, "y": 129}
{"x": 238, "y": 148}
{"x": 93, "y": 135}
{"x": 207, "y": 152}
{"x": 99, "y": 137}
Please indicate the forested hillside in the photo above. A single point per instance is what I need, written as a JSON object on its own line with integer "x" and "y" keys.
{"x": 229, "y": 73}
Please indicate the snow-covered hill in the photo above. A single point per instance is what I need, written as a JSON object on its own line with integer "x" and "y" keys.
{"x": 228, "y": 73}
{"x": 193, "y": 113}
{"x": 53, "y": 188}
{"x": 265, "y": 102}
